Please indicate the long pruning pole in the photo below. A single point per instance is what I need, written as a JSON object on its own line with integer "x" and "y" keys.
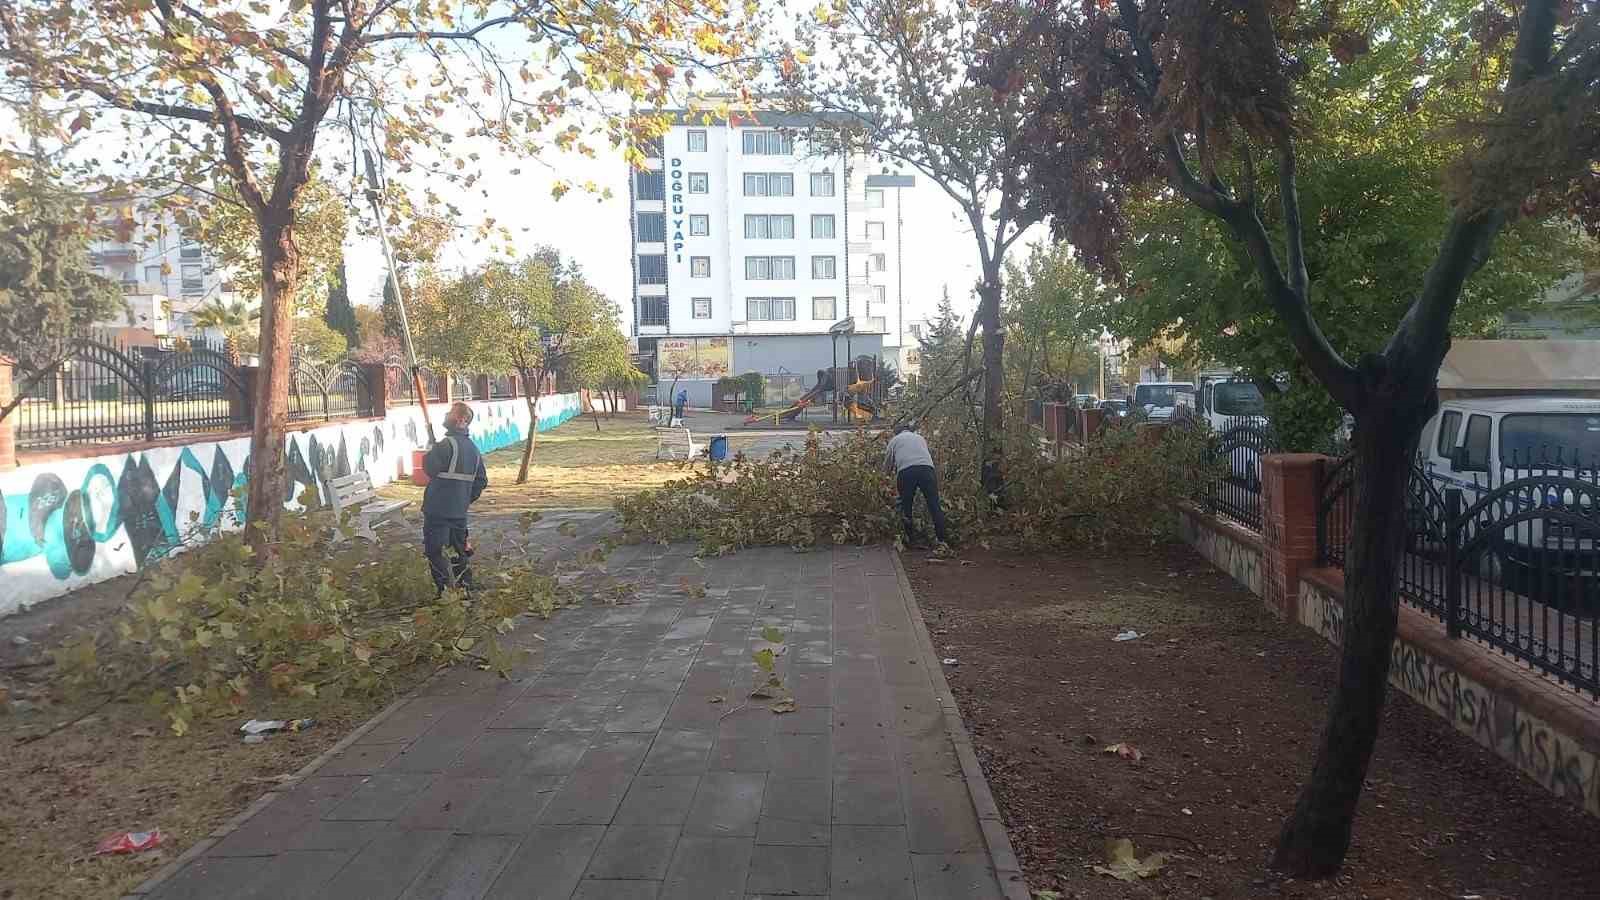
{"x": 375, "y": 198}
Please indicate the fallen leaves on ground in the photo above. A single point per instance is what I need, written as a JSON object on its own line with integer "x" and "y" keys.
{"x": 1125, "y": 864}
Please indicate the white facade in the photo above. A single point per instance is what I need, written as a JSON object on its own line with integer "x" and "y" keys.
{"x": 149, "y": 255}
{"x": 744, "y": 253}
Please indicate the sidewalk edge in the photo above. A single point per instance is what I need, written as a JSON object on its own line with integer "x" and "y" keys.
{"x": 1007, "y": 870}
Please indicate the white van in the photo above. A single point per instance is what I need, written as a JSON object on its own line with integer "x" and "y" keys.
{"x": 1479, "y": 445}
{"x": 1160, "y": 400}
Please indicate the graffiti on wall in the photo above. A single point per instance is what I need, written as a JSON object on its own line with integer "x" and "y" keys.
{"x": 1557, "y": 761}
{"x": 1237, "y": 557}
{"x": 75, "y": 522}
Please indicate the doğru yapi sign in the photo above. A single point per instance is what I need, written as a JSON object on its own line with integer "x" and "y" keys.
{"x": 677, "y": 209}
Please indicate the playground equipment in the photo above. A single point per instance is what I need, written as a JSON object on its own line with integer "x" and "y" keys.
{"x": 855, "y": 403}
{"x": 824, "y": 385}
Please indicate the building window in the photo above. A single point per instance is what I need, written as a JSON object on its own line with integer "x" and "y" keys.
{"x": 822, "y": 184}
{"x": 193, "y": 281}
{"x": 699, "y": 183}
{"x": 822, "y": 226}
{"x": 769, "y": 309}
{"x": 767, "y": 143}
{"x": 823, "y": 267}
{"x": 697, "y": 140}
{"x": 652, "y": 310}
{"x": 702, "y": 306}
{"x": 699, "y": 267}
{"x": 652, "y": 226}
{"x": 757, "y": 227}
{"x": 769, "y": 184}
{"x": 915, "y": 329}
{"x": 822, "y": 308}
{"x": 650, "y": 185}
{"x": 653, "y": 268}
{"x": 769, "y": 268}
{"x": 699, "y": 225}
{"x": 875, "y": 198}
{"x": 188, "y": 248}
{"x": 874, "y": 231}
{"x": 880, "y": 262}
{"x": 653, "y": 147}
{"x": 153, "y": 275}
{"x": 880, "y": 293}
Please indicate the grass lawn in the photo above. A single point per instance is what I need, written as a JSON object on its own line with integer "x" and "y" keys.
{"x": 574, "y": 466}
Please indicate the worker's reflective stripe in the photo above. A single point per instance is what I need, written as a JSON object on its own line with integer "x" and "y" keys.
{"x": 450, "y": 473}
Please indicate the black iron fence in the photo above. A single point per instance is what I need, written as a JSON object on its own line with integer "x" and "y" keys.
{"x": 325, "y": 391}
{"x": 1235, "y": 472}
{"x": 110, "y": 391}
{"x": 1510, "y": 558}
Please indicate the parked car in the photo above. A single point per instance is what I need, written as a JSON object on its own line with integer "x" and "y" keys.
{"x": 1232, "y": 401}
{"x": 1480, "y": 445}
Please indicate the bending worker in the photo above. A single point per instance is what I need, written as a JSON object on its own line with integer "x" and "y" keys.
{"x": 456, "y": 478}
{"x": 907, "y": 455}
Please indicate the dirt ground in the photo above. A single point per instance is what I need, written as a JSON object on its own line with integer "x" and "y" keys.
{"x": 1226, "y": 704}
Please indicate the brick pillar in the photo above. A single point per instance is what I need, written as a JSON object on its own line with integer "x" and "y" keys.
{"x": 8, "y": 425}
{"x": 480, "y": 387}
{"x": 377, "y": 376}
{"x": 1290, "y": 483}
{"x": 1093, "y": 421}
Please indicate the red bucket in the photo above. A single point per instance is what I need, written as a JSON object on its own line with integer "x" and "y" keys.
{"x": 418, "y": 476}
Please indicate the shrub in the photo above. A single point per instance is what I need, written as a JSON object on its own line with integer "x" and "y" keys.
{"x": 1121, "y": 488}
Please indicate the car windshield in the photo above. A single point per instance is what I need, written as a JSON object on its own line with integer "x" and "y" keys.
{"x": 1550, "y": 439}
{"x": 1239, "y": 398}
{"x": 1159, "y": 394}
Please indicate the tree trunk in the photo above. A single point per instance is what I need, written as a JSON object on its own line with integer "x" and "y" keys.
{"x": 533, "y": 426}
{"x": 1317, "y": 833}
{"x": 280, "y": 276}
{"x": 993, "y": 381}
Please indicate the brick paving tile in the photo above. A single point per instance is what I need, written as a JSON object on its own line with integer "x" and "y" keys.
{"x": 604, "y": 769}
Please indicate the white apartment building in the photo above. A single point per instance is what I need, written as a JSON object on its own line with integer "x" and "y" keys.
{"x": 148, "y": 253}
{"x": 751, "y": 241}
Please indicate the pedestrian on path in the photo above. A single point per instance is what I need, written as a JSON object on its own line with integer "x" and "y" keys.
{"x": 908, "y": 456}
{"x": 456, "y": 478}
{"x": 679, "y": 403}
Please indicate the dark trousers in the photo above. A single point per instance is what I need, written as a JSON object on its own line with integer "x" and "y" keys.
{"x": 439, "y": 533}
{"x": 924, "y": 479}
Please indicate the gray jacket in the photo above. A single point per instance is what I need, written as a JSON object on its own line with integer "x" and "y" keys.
{"x": 456, "y": 476}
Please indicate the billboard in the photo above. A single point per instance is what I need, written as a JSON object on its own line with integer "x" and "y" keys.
{"x": 693, "y": 358}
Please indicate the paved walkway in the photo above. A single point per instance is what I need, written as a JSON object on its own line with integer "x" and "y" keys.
{"x": 608, "y": 767}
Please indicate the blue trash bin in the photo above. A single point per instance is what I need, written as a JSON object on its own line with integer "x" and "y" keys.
{"x": 719, "y": 447}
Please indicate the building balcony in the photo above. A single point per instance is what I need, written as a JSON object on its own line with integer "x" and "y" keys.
{"x": 861, "y": 246}
{"x": 653, "y": 329}
{"x": 872, "y": 325}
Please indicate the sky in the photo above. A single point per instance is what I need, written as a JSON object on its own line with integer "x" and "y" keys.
{"x": 939, "y": 246}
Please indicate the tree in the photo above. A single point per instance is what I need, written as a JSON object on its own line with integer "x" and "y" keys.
{"x": 238, "y": 320}
{"x": 1056, "y": 309}
{"x": 338, "y": 312}
{"x": 1372, "y": 214}
{"x": 903, "y": 75}
{"x": 944, "y": 339}
{"x": 242, "y": 90}
{"x": 48, "y": 293}
{"x": 315, "y": 341}
{"x": 222, "y": 222}
{"x": 533, "y": 317}
{"x": 1198, "y": 99}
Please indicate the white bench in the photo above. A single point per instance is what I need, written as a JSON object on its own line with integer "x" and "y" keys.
{"x": 355, "y": 492}
{"x": 676, "y": 443}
